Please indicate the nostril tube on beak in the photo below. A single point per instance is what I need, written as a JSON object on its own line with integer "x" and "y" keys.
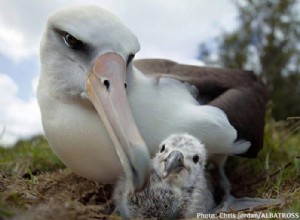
{"x": 107, "y": 84}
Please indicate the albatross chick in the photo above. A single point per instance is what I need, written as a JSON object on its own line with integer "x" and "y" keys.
{"x": 177, "y": 187}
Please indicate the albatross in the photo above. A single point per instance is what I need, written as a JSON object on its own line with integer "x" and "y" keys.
{"x": 103, "y": 112}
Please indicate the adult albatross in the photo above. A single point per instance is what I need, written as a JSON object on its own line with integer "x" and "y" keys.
{"x": 87, "y": 71}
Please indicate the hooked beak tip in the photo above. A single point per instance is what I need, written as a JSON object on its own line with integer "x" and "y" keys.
{"x": 139, "y": 167}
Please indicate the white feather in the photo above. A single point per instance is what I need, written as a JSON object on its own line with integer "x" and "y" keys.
{"x": 166, "y": 107}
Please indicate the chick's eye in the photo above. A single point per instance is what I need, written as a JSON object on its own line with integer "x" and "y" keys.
{"x": 71, "y": 41}
{"x": 162, "y": 148}
{"x": 195, "y": 158}
{"x": 130, "y": 58}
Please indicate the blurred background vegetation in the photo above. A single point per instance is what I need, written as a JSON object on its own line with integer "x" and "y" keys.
{"x": 267, "y": 41}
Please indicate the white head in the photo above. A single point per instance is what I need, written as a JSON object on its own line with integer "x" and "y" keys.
{"x": 74, "y": 39}
{"x": 87, "y": 52}
{"x": 181, "y": 159}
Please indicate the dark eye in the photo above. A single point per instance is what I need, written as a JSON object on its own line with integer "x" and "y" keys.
{"x": 71, "y": 41}
{"x": 195, "y": 158}
{"x": 130, "y": 58}
{"x": 162, "y": 148}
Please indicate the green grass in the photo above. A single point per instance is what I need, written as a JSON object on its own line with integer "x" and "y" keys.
{"x": 26, "y": 159}
{"x": 27, "y": 156}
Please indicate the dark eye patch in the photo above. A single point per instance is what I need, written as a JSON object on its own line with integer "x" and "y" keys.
{"x": 71, "y": 41}
{"x": 130, "y": 58}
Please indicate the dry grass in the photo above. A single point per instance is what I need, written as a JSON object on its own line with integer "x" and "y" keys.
{"x": 35, "y": 185}
{"x": 56, "y": 195}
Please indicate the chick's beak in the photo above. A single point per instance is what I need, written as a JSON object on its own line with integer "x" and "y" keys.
{"x": 174, "y": 163}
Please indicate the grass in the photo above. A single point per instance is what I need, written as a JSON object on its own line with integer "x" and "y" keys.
{"x": 27, "y": 157}
{"x": 276, "y": 171}
{"x": 33, "y": 178}
{"x": 25, "y": 160}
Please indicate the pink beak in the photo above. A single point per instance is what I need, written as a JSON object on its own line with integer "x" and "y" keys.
{"x": 106, "y": 90}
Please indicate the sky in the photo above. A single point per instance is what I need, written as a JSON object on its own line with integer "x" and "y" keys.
{"x": 171, "y": 29}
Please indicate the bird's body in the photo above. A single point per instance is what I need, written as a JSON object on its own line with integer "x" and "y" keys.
{"x": 158, "y": 200}
{"x": 182, "y": 192}
{"x": 77, "y": 135}
{"x": 103, "y": 113}
{"x": 167, "y": 104}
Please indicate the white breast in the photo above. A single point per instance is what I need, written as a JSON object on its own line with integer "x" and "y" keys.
{"x": 77, "y": 135}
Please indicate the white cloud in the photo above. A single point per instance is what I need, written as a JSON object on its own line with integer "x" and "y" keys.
{"x": 16, "y": 49}
{"x": 174, "y": 29}
{"x": 34, "y": 84}
{"x": 170, "y": 28}
{"x": 18, "y": 118}
{"x": 21, "y": 25}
